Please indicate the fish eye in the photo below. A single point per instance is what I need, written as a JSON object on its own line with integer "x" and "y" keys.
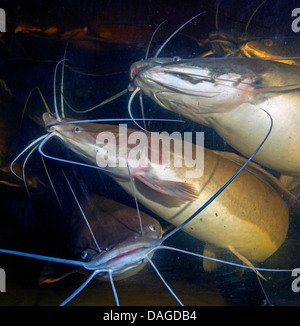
{"x": 152, "y": 228}
{"x": 84, "y": 254}
{"x": 175, "y": 59}
{"x": 77, "y": 129}
{"x": 268, "y": 42}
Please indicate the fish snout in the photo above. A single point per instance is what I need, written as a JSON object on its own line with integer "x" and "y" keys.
{"x": 136, "y": 68}
{"x": 49, "y": 120}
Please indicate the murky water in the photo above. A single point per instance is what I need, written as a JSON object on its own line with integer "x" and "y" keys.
{"x": 106, "y": 38}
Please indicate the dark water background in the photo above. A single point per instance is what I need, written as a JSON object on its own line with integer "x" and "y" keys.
{"x": 37, "y": 223}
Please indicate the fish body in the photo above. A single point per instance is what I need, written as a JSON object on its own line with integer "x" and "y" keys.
{"x": 230, "y": 95}
{"x": 115, "y": 226}
{"x": 249, "y": 217}
{"x": 87, "y": 140}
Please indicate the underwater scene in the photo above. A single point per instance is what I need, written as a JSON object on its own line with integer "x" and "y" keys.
{"x": 149, "y": 153}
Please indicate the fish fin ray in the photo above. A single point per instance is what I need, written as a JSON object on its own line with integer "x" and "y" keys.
{"x": 180, "y": 190}
{"x": 208, "y": 264}
{"x": 52, "y": 273}
{"x": 245, "y": 261}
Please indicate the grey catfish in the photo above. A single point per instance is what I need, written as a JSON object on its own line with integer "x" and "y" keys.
{"x": 231, "y": 95}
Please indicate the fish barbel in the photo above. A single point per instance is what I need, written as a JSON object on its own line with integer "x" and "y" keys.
{"x": 152, "y": 170}
{"x": 241, "y": 225}
{"x": 250, "y": 218}
{"x": 112, "y": 223}
{"x": 228, "y": 94}
{"x": 122, "y": 259}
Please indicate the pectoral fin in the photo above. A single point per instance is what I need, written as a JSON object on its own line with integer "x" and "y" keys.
{"x": 211, "y": 251}
{"x": 245, "y": 261}
{"x": 180, "y": 190}
{"x": 52, "y": 273}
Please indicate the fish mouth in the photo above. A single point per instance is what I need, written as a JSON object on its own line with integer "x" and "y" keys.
{"x": 139, "y": 66}
{"x": 125, "y": 254}
{"x": 123, "y": 257}
{"x": 135, "y": 70}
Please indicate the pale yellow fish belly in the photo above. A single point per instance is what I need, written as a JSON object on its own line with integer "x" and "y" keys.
{"x": 249, "y": 215}
{"x": 245, "y": 127}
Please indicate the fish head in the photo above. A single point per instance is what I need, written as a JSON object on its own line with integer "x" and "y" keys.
{"x": 113, "y": 224}
{"x": 281, "y": 48}
{"x": 205, "y": 85}
{"x": 125, "y": 254}
{"x": 71, "y": 131}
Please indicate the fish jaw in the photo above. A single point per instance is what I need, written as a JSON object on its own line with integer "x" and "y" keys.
{"x": 125, "y": 256}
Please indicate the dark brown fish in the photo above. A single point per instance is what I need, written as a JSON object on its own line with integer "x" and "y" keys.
{"x": 112, "y": 223}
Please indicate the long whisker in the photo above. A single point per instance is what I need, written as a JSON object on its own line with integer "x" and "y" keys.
{"x": 82, "y": 286}
{"x": 110, "y": 99}
{"x": 224, "y": 186}
{"x": 50, "y": 180}
{"x": 254, "y": 12}
{"x": 23, "y": 151}
{"x": 42, "y": 97}
{"x": 107, "y": 120}
{"x": 24, "y": 165}
{"x": 81, "y": 210}
{"x": 142, "y": 109}
{"x": 45, "y": 258}
{"x": 62, "y": 83}
{"x": 136, "y": 202}
{"x": 54, "y": 90}
{"x": 40, "y": 149}
{"x": 113, "y": 287}
{"x": 223, "y": 261}
{"x": 129, "y": 108}
{"x": 157, "y": 28}
{"x": 169, "y": 38}
{"x": 165, "y": 283}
